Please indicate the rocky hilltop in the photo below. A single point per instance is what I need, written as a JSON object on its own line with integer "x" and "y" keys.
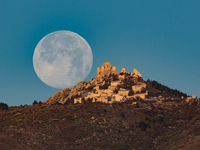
{"x": 111, "y": 86}
{"x": 127, "y": 113}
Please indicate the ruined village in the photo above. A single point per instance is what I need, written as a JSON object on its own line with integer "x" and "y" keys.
{"x": 115, "y": 110}
{"x": 111, "y": 86}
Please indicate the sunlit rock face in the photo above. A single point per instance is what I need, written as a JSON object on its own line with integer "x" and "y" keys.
{"x": 109, "y": 86}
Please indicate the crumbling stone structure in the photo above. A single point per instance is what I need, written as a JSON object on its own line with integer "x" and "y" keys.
{"x": 194, "y": 96}
{"x": 114, "y": 69}
{"x": 123, "y": 70}
{"x": 109, "y": 86}
{"x": 105, "y": 68}
{"x": 116, "y": 88}
{"x": 139, "y": 87}
{"x": 136, "y": 73}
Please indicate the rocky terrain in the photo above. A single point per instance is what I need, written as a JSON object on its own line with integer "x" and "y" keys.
{"x": 116, "y": 110}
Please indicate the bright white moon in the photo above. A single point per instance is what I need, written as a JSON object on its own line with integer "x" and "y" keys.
{"x": 62, "y": 59}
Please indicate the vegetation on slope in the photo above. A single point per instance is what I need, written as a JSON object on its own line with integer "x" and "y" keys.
{"x": 164, "y": 88}
{"x": 98, "y": 126}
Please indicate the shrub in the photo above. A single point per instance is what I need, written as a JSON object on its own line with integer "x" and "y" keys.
{"x": 3, "y": 106}
{"x": 109, "y": 98}
{"x": 143, "y": 125}
{"x": 147, "y": 119}
{"x": 35, "y": 102}
{"x": 160, "y": 118}
{"x": 57, "y": 103}
{"x": 137, "y": 105}
{"x": 116, "y": 90}
{"x": 130, "y": 93}
{"x": 83, "y": 100}
{"x": 90, "y": 100}
{"x": 122, "y": 115}
{"x": 161, "y": 87}
{"x": 105, "y": 86}
{"x": 194, "y": 103}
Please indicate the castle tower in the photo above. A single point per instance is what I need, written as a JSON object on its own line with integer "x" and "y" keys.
{"x": 105, "y": 67}
{"x": 102, "y": 67}
{"x": 194, "y": 96}
{"x": 114, "y": 69}
{"x": 123, "y": 70}
{"x": 98, "y": 71}
{"x": 136, "y": 73}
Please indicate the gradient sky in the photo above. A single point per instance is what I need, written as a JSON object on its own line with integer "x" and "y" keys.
{"x": 161, "y": 39}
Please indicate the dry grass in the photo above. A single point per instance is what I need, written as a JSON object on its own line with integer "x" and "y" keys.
{"x": 98, "y": 126}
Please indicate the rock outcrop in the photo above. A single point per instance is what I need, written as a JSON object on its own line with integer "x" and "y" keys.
{"x": 58, "y": 97}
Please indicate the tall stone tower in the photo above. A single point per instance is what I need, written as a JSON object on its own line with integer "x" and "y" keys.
{"x": 105, "y": 68}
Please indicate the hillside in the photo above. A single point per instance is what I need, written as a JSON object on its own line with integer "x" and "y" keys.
{"x": 101, "y": 126}
{"x": 111, "y": 86}
{"x": 116, "y": 110}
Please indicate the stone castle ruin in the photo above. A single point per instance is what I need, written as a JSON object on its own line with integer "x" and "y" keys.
{"x": 105, "y": 68}
{"x": 109, "y": 86}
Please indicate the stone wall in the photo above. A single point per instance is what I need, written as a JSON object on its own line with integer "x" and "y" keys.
{"x": 114, "y": 68}
{"x": 141, "y": 95}
{"x": 138, "y": 87}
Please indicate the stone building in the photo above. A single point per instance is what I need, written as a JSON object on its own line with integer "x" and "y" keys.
{"x": 139, "y": 87}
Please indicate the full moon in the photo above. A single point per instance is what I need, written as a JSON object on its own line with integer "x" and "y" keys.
{"x": 62, "y": 59}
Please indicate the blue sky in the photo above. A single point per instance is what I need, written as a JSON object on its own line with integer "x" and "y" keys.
{"x": 161, "y": 39}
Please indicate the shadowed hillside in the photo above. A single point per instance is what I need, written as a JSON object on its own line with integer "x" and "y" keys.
{"x": 164, "y": 89}
{"x": 100, "y": 126}
{"x": 116, "y": 110}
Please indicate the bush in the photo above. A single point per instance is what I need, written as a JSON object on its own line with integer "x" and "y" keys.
{"x": 161, "y": 87}
{"x": 83, "y": 100}
{"x": 143, "y": 125}
{"x": 89, "y": 100}
{"x": 35, "y": 102}
{"x": 3, "y": 106}
{"x": 160, "y": 118}
{"x": 122, "y": 115}
{"x": 147, "y": 119}
{"x": 57, "y": 103}
{"x": 137, "y": 105}
{"x": 194, "y": 103}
